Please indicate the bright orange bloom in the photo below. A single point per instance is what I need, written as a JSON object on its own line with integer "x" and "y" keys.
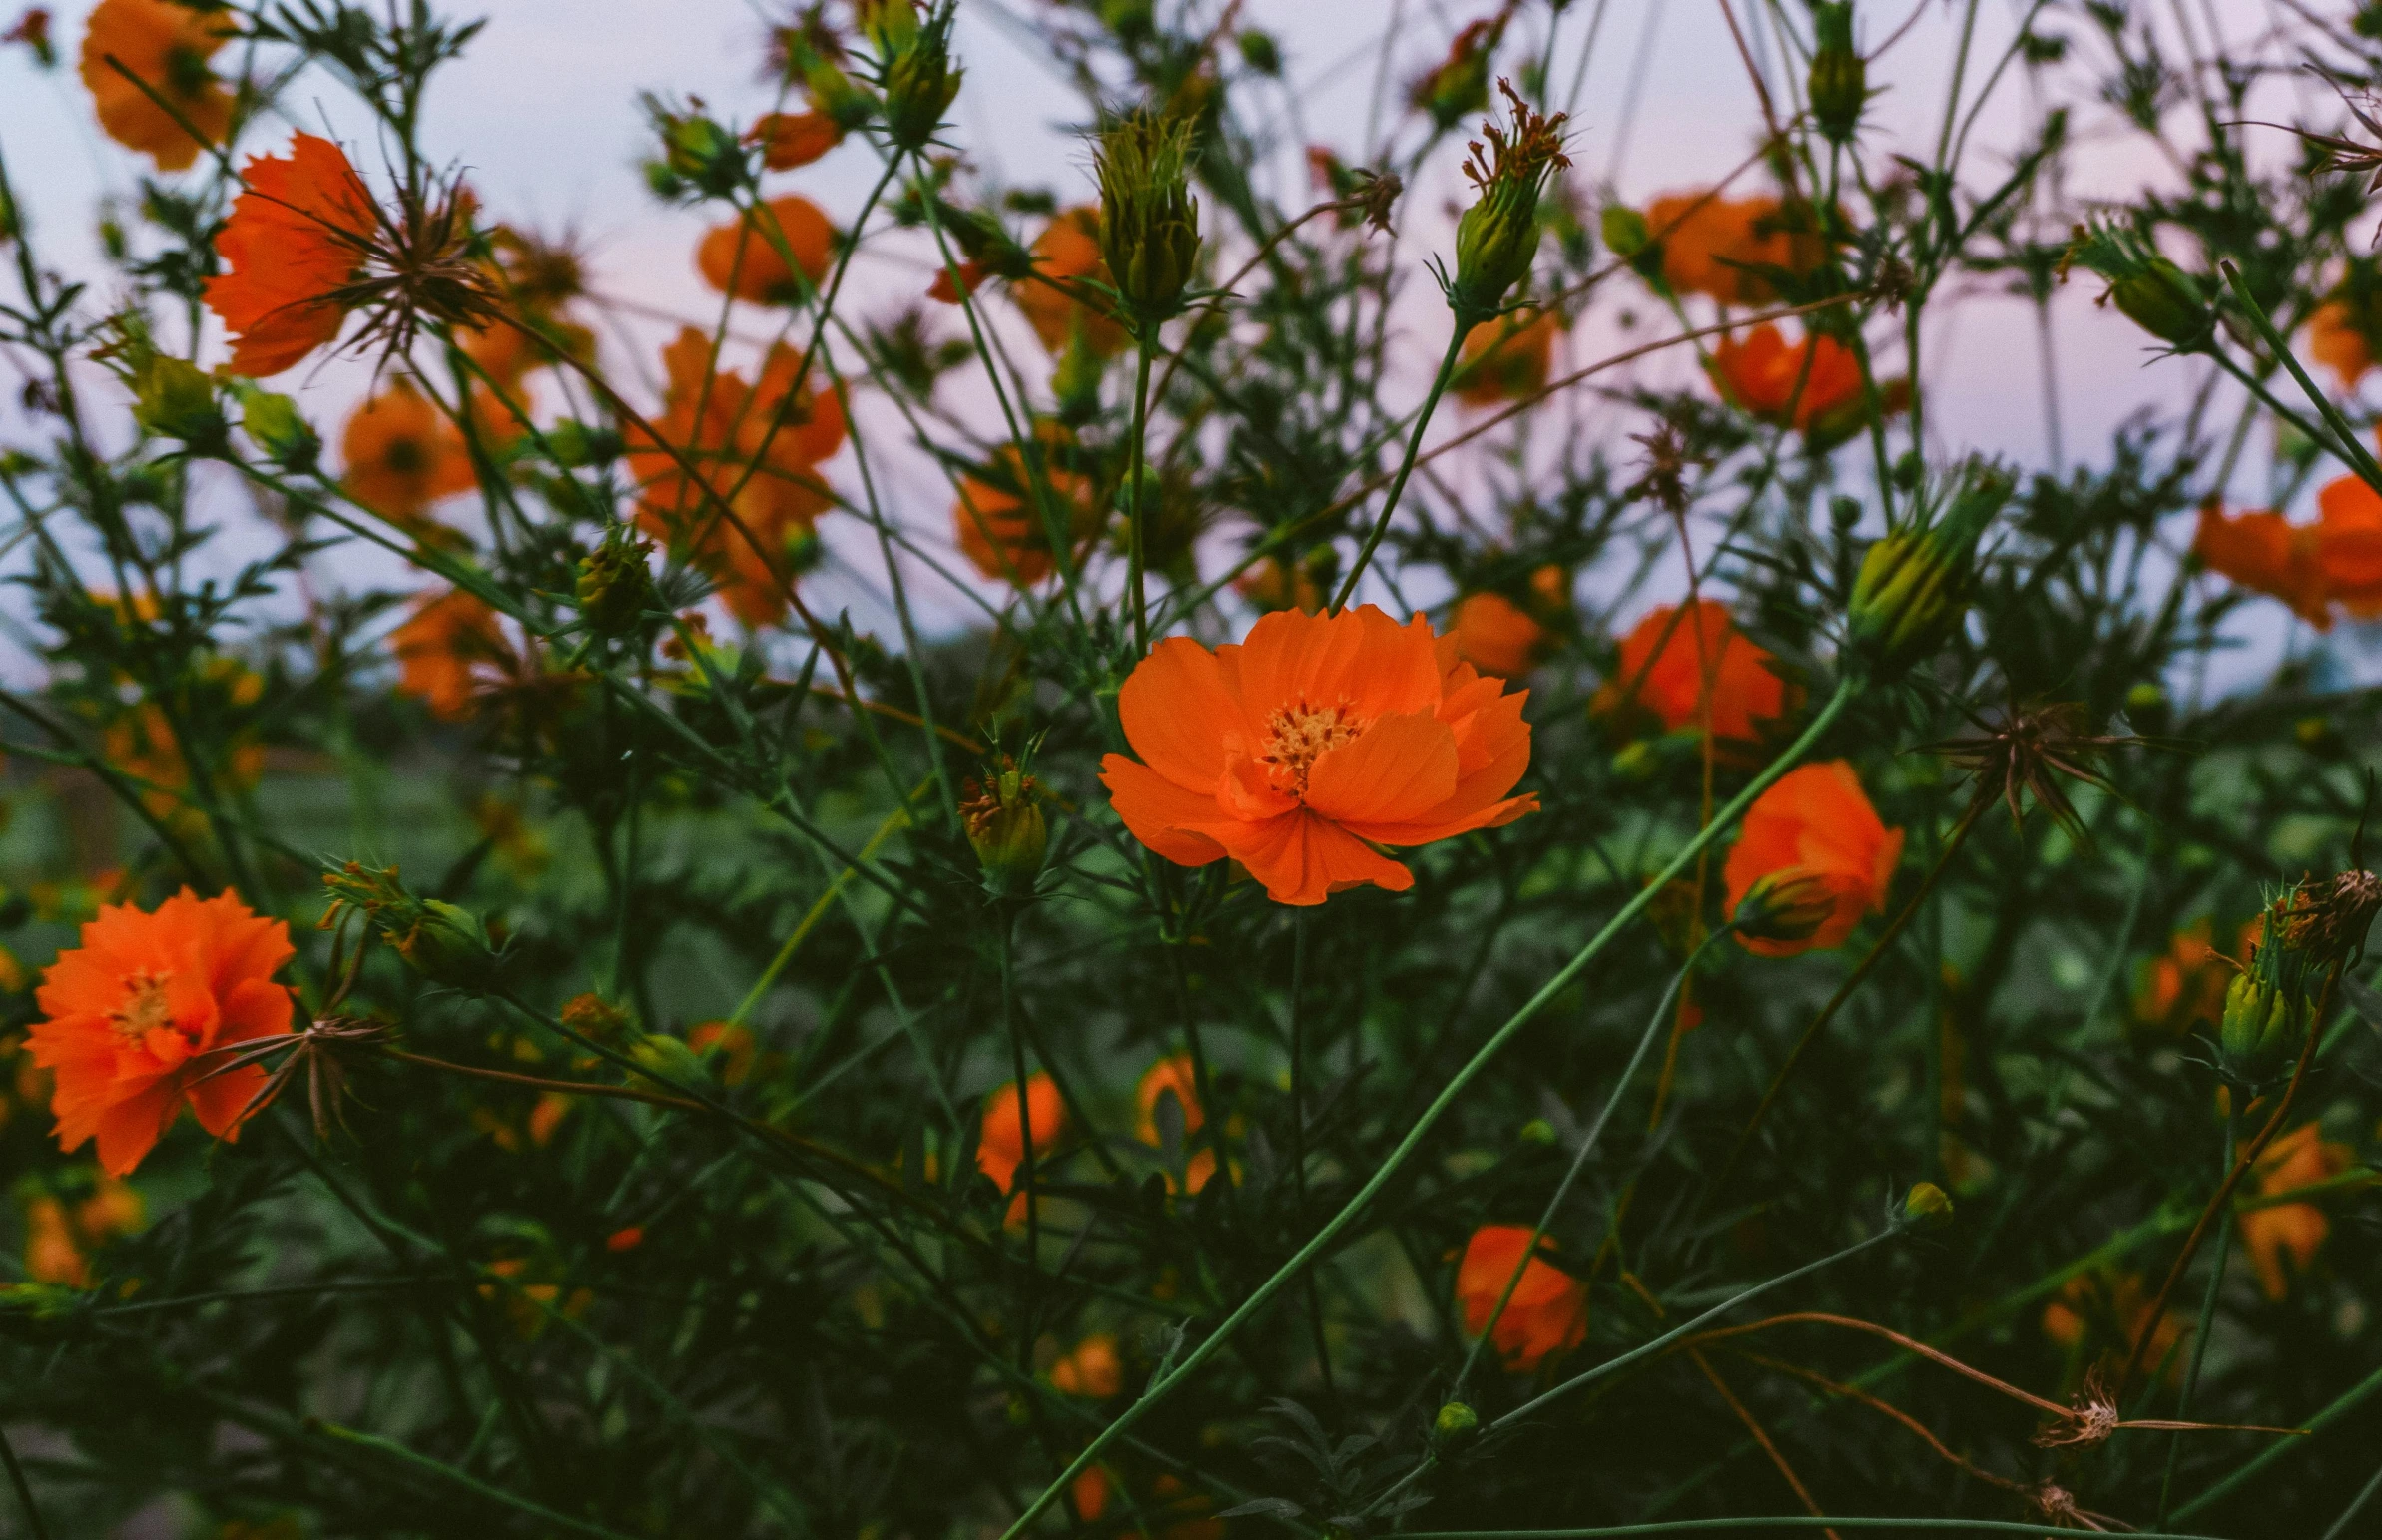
{"x": 1671, "y": 683}
{"x": 1068, "y": 249}
{"x": 2108, "y": 1310}
{"x": 451, "y": 653}
{"x": 751, "y": 252}
{"x": 2266, "y": 552}
{"x": 295, "y": 237}
{"x": 1764, "y": 376}
{"x": 133, "y": 1017}
{"x": 1498, "y": 636}
{"x": 789, "y": 140}
{"x": 1709, "y": 244}
{"x": 1093, "y": 1369}
{"x": 167, "y": 47}
{"x": 723, "y": 426}
{"x": 1816, "y": 822}
{"x": 2298, "y": 1159}
{"x": 2335, "y": 341}
{"x": 1001, "y": 1146}
{"x": 1301, "y": 748}
{"x": 403, "y": 455}
{"x": 1000, "y": 524}
{"x": 1506, "y": 359}
{"x": 1548, "y": 1312}
{"x": 2349, "y": 545}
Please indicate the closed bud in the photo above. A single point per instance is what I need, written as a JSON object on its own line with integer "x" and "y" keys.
{"x": 914, "y": 63}
{"x": 698, "y": 155}
{"x": 1497, "y": 239}
{"x": 274, "y": 426}
{"x": 1913, "y": 587}
{"x": 440, "y": 941}
{"x": 1926, "y": 1206}
{"x": 1260, "y": 52}
{"x": 668, "y": 1060}
{"x": 2261, "y": 1028}
{"x": 1002, "y": 815}
{"x": 615, "y": 588}
{"x": 1455, "y": 1427}
{"x": 174, "y": 398}
{"x": 1149, "y": 222}
{"x": 1839, "y": 82}
{"x": 1789, "y": 904}
{"x": 2148, "y": 289}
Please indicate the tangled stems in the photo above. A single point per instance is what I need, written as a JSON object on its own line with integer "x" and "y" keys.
{"x": 1167, "y": 1384}
{"x": 1405, "y": 469}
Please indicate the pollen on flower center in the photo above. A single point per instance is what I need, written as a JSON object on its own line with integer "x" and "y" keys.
{"x": 1296, "y": 735}
{"x": 143, "y": 1009}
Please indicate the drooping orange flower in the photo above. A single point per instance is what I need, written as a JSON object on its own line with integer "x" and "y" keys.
{"x": 1498, "y": 636}
{"x": 295, "y": 237}
{"x": 999, "y": 523}
{"x": 2335, "y": 341}
{"x": 403, "y": 455}
{"x": 2266, "y": 552}
{"x": 724, "y": 428}
{"x": 2349, "y": 545}
{"x": 751, "y": 252}
{"x": 1664, "y": 668}
{"x": 1816, "y": 822}
{"x": 1299, "y": 750}
{"x": 1506, "y": 359}
{"x": 1067, "y": 249}
{"x": 1713, "y": 246}
{"x": 1001, "y": 1146}
{"x": 1175, "y": 1076}
{"x": 2296, "y": 1229}
{"x": 789, "y": 140}
{"x": 738, "y": 1050}
{"x": 1765, "y": 376}
{"x": 451, "y": 653}
{"x": 1548, "y": 1313}
{"x": 2106, "y": 1310}
{"x": 167, "y": 47}
{"x": 1094, "y": 1369}
{"x": 133, "y": 1020}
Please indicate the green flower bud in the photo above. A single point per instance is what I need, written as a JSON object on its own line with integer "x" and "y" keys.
{"x": 1926, "y": 1206}
{"x": 1839, "y": 83}
{"x": 174, "y": 398}
{"x": 1538, "y": 1132}
{"x": 1913, "y": 587}
{"x": 2150, "y": 291}
{"x": 438, "y": 940}
{"x": 615, "y": 588}
{"x": 1498, "y": 237}
{"x": 1006, "y": 827}
{"x": 1455, "y": 1427}
{"x": 914, "y": 63}
{"x": 274, "y": 424}
{"x": 698, "y": 155}
{"x": 1788, "y": 905}
{"x": 1458, "y": 84}
{"x": 670, "y": 1061}
{"x": 1149, "y": 222}
{"x": 2259, "y": 1030}
{"x": 1260, "y": 52}
{"x": 575, "y": 444}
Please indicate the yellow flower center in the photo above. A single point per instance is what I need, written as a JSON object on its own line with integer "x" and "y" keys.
{"x": 1296, "y": 736}
{"x": 143, "y": 1009}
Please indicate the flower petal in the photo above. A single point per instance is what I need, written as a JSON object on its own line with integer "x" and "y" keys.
{"x": 1159, "y": 812}
{"x": 1177, "y": 713}
{"x": 1400, "y": 767}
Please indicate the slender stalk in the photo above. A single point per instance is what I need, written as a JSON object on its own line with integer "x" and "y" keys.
{"x": 473, "y": 1484}
{"x": 1405, "y": 469}
{"x": 2344, "y": 1404}
{"x": 2199, "y": 1343}
{"x": 1029, "y": 1284}
{"x": 1136, "y": 558}
{"x": 16, "y": 1478}
{"x": 1165, "y": 1386}
{"x": 1298, "y": 1131}
{"x": 2340, "y": 1526}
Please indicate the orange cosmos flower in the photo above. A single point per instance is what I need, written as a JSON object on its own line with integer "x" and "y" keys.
{"x": 448, "y": 652}
{"x": 296, "y": 236}
{"x": 2108, "y": 1310}
{"x": 1001, "y": 1146}
{"x": 1506, "y": 359}
{"x": 2266, "y": 552}
{"x": 789, "y": 140}
{"x": 1710, "y": 244}
{"x": 1764, "y": 376}
{"x": 1548, "y": 1312}
{"x": 746, "y": 252}
{"x": 167, "y": 47}
{"x": 1816, "y": 822}
{"x": 1000, "y": 524}
{"x": 133, "y": 1018}
{"x": 1498, "y": 636}
{"x": 403, "y": 455}
{"x": 2336, "y": 340}
{"x": 1669, "y": 666}
{"x": 1274, "y": 583}
{"x": 1093, "y": 1369}
{"x": 2185, "y": 985}
{"x": 1068, "y": 249}
{"x": 724, "y": 428}
{"x": 1175, "y": 1076}
{"x": 1317, "y": 738}
{"x": 2298, "y": 1159}
{"x": 2349, "y": 545}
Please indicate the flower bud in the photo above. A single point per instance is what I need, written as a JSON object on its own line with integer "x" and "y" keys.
{"x": 443, "y": 944}
{"x": 1458, "y": 84}
{"x": 1006, "y": 830}
{"x": 914, "y": 63}
{"x": 1455, "y": 1427}
{"x": 1789, "y": 904}
{"x": 1926, "y": 1206}
{"x": 1497, "y": 239}
{"x": 2150, "y": 291}
{"x": 274, "y": 425}
{"x": 1149, "y": 222}
{"x": 697, "y": 152}
{"x": 615, "y": 589}
{"x": 1839, "y": 83}
{"x": 575, "y": 444}
{"x": 1913, "y": 587}
{"x": 174, "y": 398}
{"x": 591, "y": 1015}
{"x": 1260, "y": 52}
{"x": 2259, "y": 1029}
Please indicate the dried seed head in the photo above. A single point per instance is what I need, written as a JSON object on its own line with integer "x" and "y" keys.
{"x": 2028, "y": 751}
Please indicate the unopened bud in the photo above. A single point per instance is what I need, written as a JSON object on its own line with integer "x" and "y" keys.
{"x": 2163, "y": 301}
{"x": 1006, "y": 827}
{"x": 1497, "y": 239}
{"x": 2260, "y": 1027}
{"x": 1913, "y": 587}
{"x": 913, "y": 61}
{"x": 1927, "y": 1206}
{"x": 1455, "y": 1427}
{"x": 1839, "y": 82}
{"x": 615, "y": 588}
{"x": 443, "y": 942}
{"x": 174, "y": 398}
{"x": 1786, "y": 906}
{"x": 273, "y": 423}
{"x": 1149, "y": 222}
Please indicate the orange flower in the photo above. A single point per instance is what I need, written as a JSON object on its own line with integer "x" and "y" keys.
{"x": 1068, "y": 249}
{"x": 403, "y": 455}
{"x": 1548, "y": 1312}
{"x": 142, "y": 741}
{"x": 2349, "y": 545}
{"x": 2298, "y": 1159}
{"x": 1273, "y": 584}
{"x": 1001, "y": 1146}
{"x": 2185, "y": 985}
{"x": 789, "y": 140}
{"x": 133, "y": 1018}
{"x": 1506, "y": 359}
{"x": 751, "y": 252}
{"x": 1496, "y": 636}
{"x": 1299, "y": 750}
{"x": 1816, "y": 822}
{"x": 1671, "y": 681}
{"x": 723, "y": 426}
{"x": 448, "y": 652}
{"x": 1764, "y": 376}
{"x": 1175, "y": 1076}
{"x": 998, "y": 523}
{"x": 295, "y": 237}
{"x": 2335, "y": 341}
{"x": 53, "y": 1253}
{"x": 739, "y": 1050}
{"x": 1093, "y": 1369}
{"x": 1710, "y": 244}
{"x": 2108, "y": 1310}
{"x": 167, "y": 47}
{"x": 2265, "y": 552}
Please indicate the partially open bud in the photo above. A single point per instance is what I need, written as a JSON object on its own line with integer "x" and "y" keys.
{"x": 2150, "y": 291}
{"x": 1926, "y": 1206}
{"x": 1149, "y": 222}
{"x": 1789, "y": 905}
{"x": 1839, "y": 81}
{"x": 438, "y": 940}
{"x": 1913, "y": 587}
{"x": 1455, "y": 1427}
{"x": 1006, "y": 830}
{"x": 174, "y": 398}
{"x": 1498, "y": 237}
{"x": 615, "y": 588}
{"x": 2266, "y": 1017}
{"x": 913, "y": 65}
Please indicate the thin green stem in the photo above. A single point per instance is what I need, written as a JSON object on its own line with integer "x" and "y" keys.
{"x": 2346, "y": 1402}
{"x": 1297, "y": 1130}
{"x": 1405, "y": 469}
{"x": 1029, "y": 1282}
{"x": 2199, "y": 1343}
{"x": 1136, "y": 557}
{"x": 16, "y": 1478}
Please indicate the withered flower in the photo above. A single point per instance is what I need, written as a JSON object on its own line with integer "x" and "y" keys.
{"x": 2024, "y": 749}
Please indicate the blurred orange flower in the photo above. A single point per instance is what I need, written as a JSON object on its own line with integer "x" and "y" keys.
{"x": 1709, "y": 244}
{"x": 1068, "y": 249}
{"x": 1092, "y": 1369}
{"x": 167, "y": 47}
{"x": 2107, "y": 1309}
{"x": 133, "y": 1020}
{"x": 450, "y": 652}
{"x": 1506, "y": 359}
{"x": 1274, "y": 583}
{"x": 998, "y": 523}
{"x": 1816, "y": 822}
{"x": 1764, "y": 376}
{"x": 1001, "y": 1146}
{"x": 2349, "y": 545}
{"x": 1664, "y": 664}
{"x": 53, "y": 1253}
{"x": 789, "y": 140}
{"x": 1299, "y": 750}
{"x": 748, "y": 256}
{"x": 2335, "y": 341}
{"x": 2185, "y": 985}
{"x": 2300, "y": 1159}
{"x": 1175, "y": 1076}
{"x": 403, "y": 455}
{"x": 1548, "y": 1313}
{"x": 142, "y": 741}
{"x": 295, "y": 237}
{"x": 2266, "y": 552}
{"x": 1498, "y": 636}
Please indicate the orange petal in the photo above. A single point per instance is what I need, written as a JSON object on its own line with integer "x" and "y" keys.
{"x": 1160, "y": 813}
{"x": 1400, "y": 768}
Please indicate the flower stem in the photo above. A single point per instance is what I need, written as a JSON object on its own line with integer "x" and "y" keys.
{"x": 1005, "y": 928}
{"x": 2199, "y": 1342}
{"x": 1414, "y": 446}
{"x": 1165, "y": 1386}
{"x": 16, "y": 1478}
{"x": 1138, "y": 516}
